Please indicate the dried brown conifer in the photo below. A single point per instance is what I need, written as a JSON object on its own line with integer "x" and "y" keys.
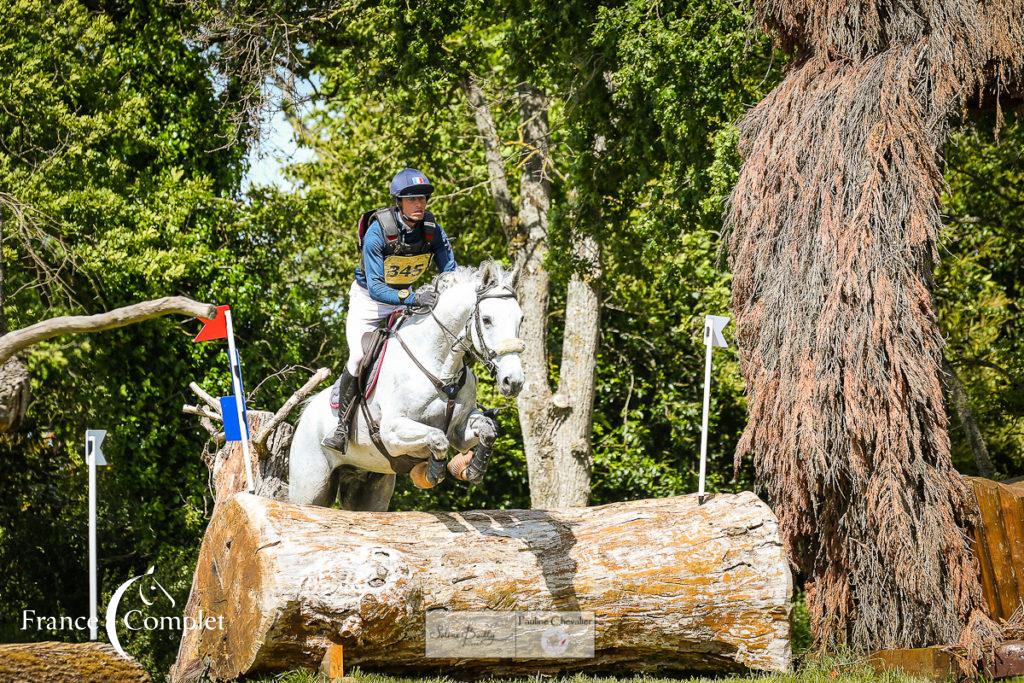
{"x": 833, "y": 225}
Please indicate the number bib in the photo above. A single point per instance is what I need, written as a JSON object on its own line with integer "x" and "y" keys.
{"x": 405, "y": 270}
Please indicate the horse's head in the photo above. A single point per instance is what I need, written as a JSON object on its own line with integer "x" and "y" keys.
{"x": 495, "y": 326}
{"x": 483, "y": 299}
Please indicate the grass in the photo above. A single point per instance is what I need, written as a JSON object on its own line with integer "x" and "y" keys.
{"x": 831, "y": 669}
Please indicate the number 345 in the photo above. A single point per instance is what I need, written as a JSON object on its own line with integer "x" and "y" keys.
{"x": 395, "y": 271}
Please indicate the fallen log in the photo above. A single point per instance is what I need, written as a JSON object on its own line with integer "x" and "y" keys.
{"x": 55, "y": 662}
{"x": 672, "y": 585}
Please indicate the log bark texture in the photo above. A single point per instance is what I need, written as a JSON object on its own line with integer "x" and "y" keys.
{"x": 14, "y": 393}
{"x": 673, "y": 585}
{"x": 55, "y": 662}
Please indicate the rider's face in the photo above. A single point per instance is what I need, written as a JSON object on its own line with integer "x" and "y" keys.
{"x": 414, "y": 207}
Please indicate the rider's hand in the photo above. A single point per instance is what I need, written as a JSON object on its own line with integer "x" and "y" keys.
{"x": 423, "y": 301}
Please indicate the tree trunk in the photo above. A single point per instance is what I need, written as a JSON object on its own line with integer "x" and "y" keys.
{"x": 672, "y": 585}
{"x": 14, "y": 393}
{"x": 556, "y": 426}
{"x": 54, "y": 662}
{"x": 962, "y": 406}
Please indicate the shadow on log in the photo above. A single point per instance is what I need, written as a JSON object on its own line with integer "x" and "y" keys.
{"x": 673, "y": 585}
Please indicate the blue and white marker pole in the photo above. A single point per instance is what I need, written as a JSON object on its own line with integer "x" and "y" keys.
{"x": 713, "y": 326}
{"x": 236, "y": 386}
{"x": 93, "y": 457}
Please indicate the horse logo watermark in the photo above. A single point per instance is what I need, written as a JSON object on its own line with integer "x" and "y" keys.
{"x": 150, "y": 592}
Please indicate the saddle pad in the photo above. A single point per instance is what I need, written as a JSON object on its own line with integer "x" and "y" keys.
{"x": 373, "y": 372}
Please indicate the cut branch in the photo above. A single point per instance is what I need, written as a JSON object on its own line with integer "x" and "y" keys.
{"x": 201, "y": 412}
{"x": 19, "y": 340}
{"x": 319, "y": 376}
{"x": 207, "y": 399}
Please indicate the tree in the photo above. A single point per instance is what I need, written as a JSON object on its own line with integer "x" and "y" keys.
{"x": 834, "y": 221}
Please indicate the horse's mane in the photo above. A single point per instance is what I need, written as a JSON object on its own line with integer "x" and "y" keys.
{"x": 473, "y": 275}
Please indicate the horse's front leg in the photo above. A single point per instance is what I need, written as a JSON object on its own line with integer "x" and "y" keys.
{"x": 477, "y": 428}
{"x": 480, "y": 431}
{"x": 403, "y": 435}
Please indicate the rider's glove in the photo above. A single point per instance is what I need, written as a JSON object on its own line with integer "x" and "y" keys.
{"x": 423, "y": 301}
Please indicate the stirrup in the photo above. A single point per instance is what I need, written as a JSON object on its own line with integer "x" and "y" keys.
{"x": 334, "y": 437}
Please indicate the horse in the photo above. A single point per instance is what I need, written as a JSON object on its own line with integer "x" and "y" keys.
{"x": 476, "y": 313}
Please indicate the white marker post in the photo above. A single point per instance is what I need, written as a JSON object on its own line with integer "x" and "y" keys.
{"x": 236, "y": 385}
{"x": 713, "y": 326}
{"x": 93, "y": 457}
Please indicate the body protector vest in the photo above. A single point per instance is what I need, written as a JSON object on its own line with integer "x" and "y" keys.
{"x": 405, "y": 261}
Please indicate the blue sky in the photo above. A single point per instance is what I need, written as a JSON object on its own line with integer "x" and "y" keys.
{"x": 277, "y": 147}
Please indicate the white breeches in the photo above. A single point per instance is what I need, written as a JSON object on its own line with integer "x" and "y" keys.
{"x": 363, "y": 315}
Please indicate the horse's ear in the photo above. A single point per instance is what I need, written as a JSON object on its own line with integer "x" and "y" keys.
{"x": 514, "y": 276}
{"x": 488, "y": 275}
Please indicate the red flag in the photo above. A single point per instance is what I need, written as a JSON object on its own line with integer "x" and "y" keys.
{"x": 214, "y": 329}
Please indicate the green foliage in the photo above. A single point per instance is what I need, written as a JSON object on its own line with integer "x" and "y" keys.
{"x": 109, "y": 135}
{"x": 979, "y": 287}
{"x": 113, "y": 133}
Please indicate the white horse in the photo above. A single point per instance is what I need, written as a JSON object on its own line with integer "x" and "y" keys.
{"x": 476, "y": 311}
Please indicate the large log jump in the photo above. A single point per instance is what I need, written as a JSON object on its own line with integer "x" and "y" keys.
{"x": 673, "y": 585}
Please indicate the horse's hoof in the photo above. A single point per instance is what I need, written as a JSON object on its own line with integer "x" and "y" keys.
{"x": 477, "y": 467}
{"x": 418, "y": 474}
{"x": 457, "y": 465}
{"x": 436, "y": 470}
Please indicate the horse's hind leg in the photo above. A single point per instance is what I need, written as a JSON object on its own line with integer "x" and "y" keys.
{"x": 375, "y": 493}
{"x": 309, "y": 480}
{"x": 359, "y": 490}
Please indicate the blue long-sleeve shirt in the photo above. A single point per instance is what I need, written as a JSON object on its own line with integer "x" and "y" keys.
{"x": 373, "y": 260}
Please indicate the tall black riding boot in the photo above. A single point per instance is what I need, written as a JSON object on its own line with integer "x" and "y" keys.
{"x": 347, "y": 392}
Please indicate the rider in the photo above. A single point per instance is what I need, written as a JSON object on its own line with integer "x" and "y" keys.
{"x": 393, "y": 259}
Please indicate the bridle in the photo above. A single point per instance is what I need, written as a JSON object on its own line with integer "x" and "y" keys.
{"x": 475, "y": 323}
{"x": 465, "y": 342}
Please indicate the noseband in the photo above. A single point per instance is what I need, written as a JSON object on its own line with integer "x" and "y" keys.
{"x": 503, "y": 347}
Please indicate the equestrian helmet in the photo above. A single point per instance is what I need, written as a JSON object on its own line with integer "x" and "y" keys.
{"x": 410, "y": 182}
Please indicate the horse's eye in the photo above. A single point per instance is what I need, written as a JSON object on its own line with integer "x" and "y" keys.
{"x": 487, "y": 320}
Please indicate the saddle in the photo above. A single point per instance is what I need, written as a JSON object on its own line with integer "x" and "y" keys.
{"x": 374, "y": 346}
